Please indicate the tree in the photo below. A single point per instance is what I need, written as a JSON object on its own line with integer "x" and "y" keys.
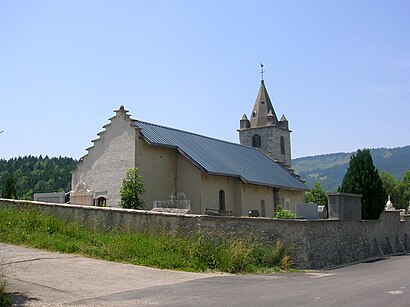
{"x": 389, "y": 183}
{"x": 402, "y": 193}
{"x": 131, "y": 190}
{"x": 317, "y": 195}
{"x": 363, "y": 178}
{"x": 9, "y": 189}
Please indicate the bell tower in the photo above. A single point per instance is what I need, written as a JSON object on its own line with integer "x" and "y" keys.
{"x": 264, "y": 131}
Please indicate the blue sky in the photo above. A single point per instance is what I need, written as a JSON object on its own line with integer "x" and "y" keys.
{"x": 338, "y": 70}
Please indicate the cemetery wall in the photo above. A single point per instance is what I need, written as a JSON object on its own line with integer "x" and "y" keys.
{"x": 313, "y": 243}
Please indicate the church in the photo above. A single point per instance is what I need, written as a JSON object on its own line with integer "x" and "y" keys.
{"x": 211, "y": 175}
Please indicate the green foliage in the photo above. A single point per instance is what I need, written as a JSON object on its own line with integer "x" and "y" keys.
{"x": 131, "y": 190}
{"x": 197, "y": 253}
{"x": 37, "y": 174}
{"x": 284, "y": 214}
{"x": 317, "y": 195}
{"x": 330, "y": 169}
{"x": 5, "y": 300}
{"x": 389, "y": 182}
{"x": 363, "y": 178}
{"x": 9, "y": 188}
{"x": 401, "y": 193}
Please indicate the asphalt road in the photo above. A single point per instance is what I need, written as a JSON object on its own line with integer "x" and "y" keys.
{"x": 39, "y": 278}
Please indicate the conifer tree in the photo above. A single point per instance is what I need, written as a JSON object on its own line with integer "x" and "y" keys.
{"x": 363, "y": 178}
{"x": 9, "y": 189}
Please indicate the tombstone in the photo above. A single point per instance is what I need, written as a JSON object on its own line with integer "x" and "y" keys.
{"x": 389, "y": 205}
{"x": 81, "y": 195}
{"x": 307, "y": 211}
{"x": 322, "y": 210}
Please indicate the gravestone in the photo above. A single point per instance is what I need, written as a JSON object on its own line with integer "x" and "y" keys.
{"x": 81, "y": 195}
{"x": 307, "y": 211}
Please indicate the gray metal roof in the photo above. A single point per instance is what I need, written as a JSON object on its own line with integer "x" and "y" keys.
{"x": 217, "y": 157}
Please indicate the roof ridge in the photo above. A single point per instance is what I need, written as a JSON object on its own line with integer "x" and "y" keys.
{"x": 196, "y": 134}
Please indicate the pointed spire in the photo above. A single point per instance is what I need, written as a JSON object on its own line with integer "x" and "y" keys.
{"x": 283, "y": 118}
{"x": 261, "y": 109}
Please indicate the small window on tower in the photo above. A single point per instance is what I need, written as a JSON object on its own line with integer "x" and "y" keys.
{"x": 253, "y": 114}
{"x": 262, "y": 102}
{"x": 256, "y": 141}
{"x": 282, "y": 145}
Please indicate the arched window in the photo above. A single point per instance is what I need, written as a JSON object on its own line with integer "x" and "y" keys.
{"x": 221, "y": 200}
{"x": 282, "y": 145}
{"x": 263, "y": 210}
{"x": 256, "y": 141}
{"x": 101, "y": 202}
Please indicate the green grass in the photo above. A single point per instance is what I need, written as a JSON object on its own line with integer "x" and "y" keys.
{"x": 5, "y": 300}
{"x": 196, "y": 253}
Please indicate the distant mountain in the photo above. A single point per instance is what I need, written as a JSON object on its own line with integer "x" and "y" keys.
{"x": 329, "y": 169}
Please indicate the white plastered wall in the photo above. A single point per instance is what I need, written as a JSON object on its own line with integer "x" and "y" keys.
{"x": 107, "y": 162}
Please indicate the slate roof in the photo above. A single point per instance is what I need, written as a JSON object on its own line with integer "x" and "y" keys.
{"x": 217, "y": 157}
{"x": 262, "y": 107}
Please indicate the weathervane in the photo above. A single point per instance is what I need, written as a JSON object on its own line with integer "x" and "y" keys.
{"x": 262, "y": 71}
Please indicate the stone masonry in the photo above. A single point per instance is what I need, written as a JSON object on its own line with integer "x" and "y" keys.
{"x": 313, "y": 243}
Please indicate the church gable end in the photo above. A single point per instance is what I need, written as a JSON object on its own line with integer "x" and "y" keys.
{"x": 106, "y": 162}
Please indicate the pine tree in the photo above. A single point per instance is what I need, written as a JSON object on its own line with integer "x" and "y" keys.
{"x": 9, "y": 189}
{"x": 363, "y": 178}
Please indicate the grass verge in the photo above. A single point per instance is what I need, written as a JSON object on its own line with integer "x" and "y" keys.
{"x": 195, "y": 253}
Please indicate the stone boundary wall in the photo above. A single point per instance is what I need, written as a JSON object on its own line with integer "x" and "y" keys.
{"x": 313, "y": 243}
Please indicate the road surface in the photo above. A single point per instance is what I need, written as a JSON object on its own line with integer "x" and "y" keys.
{"x": 40, "y": 278}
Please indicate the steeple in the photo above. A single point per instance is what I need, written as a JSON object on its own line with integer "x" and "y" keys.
{"x": 264, "y": 130}
{"x": 263, "y": 113}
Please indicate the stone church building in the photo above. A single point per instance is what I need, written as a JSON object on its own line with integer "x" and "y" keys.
{"x": 211, "y": 174}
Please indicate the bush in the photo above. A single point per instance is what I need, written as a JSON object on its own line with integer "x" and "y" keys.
{"x": 284, "y": 214}
{"x": 131, "y": 190}
{"x": 200, "y": 252}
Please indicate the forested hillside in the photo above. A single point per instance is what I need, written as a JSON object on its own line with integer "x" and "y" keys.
{"x": 329, "y": 169}
{"x": 37, "y": 174}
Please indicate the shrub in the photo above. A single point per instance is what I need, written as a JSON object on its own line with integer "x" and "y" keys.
{"x": 131, "y": 190}
{"x": 197, "y": 252}
{"x": 284, "y": 214}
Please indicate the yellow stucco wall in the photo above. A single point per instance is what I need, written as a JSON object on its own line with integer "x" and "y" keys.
{"x": 253, "y": 195}
{"x": 157, "y": 167}
{"x": 289, "y": 198}
{"x": 189, "y": 182}
{"x": 212, "y": 185}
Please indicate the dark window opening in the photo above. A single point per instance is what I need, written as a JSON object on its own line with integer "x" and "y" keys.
{"x": 101, "y": 202}
{"x": 263, "y": 210}
{"x": 256, "y": 141}
{"x": 222, "y": 200}
{"x": 282, "y": 145}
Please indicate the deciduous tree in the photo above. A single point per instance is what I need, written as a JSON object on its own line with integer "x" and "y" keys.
{"x": 131, "y": 190}
{"x": 317, "y": 195}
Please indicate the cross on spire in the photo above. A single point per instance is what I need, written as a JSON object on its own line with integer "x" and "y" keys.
{"x": 262, "y": 71}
